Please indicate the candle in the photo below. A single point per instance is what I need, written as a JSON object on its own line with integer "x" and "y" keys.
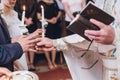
{"x": 42, "y": 9}
{"x": 24, "y": 30}
{"x": 23, "y": 15}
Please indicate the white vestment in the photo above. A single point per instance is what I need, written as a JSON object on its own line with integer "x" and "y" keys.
{"x": 88, "y": 67}
{"x": 74, "y": 44}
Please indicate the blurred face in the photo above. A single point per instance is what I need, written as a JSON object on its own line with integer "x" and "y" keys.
{"x": 9, "y": 3}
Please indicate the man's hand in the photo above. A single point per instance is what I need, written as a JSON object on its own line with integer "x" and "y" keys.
{"x": 5, "y": 73}
{"x": 105, "y": 35}
{"x": 28, "y": 42}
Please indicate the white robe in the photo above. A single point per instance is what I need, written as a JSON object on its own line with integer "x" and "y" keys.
{"x": 73, "y": 47}
{"x": 71, "y": 52}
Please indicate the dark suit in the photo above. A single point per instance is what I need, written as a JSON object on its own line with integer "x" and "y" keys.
{"x": 8, "y": 52}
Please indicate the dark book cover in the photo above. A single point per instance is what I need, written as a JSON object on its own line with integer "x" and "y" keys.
{"x": 81, "y": 22}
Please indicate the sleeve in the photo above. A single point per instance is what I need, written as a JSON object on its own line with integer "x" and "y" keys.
{"x": 59, "y": 44}
{"x": 62, "y": 43}
{"x": 10, "y": 52}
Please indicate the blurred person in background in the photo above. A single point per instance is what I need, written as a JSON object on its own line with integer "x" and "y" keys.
{"x": 71, "y": 8}
{"x": 30, "y": 22}
{"x": 53, "y": 30}
{"x": 10, "y": 16}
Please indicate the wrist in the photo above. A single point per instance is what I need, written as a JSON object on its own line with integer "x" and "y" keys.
{"x": 59, "y": 44}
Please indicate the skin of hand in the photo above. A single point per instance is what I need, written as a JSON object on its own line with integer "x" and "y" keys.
{"x": 45, "y": 44}
{"x": 52, "y": 21}
{"x": 14, "y": 40}
{"x": 105, "y": 35}
{"x": 37, "y": 33}
{"x": 28, "y": 21}
{"x": 28, "y": 42}
{"x": 4, "y": 73}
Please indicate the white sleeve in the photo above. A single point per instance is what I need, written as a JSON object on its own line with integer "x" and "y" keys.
{"x": 61, "y": 44}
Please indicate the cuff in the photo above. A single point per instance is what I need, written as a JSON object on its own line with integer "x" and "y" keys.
{"x": 60, "y": 45}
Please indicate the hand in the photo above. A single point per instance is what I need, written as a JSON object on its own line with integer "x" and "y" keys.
{"x": 105, "y": 35}
{"x": 14, "y": 40}
{"x": 53, "y": 20}
{"x": 28, "y": 21}
{"x": 4, "y": 73}
{"x": 38, "y": 33}
{"x": 28, "y": 42}
{"x": 45, "y": 44}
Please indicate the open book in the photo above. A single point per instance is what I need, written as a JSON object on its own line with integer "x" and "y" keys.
{"x": 81, "y": 22}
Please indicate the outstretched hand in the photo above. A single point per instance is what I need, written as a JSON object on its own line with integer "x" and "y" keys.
{"x": 105, "y": 35}
{"x": 45, "y": 44}
{"x": 28, "y": 42}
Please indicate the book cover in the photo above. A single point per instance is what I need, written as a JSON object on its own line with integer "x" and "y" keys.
{"x": 81, "y": 22}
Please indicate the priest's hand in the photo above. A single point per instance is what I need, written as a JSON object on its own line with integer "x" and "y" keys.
{"x": 45, "y": 44}
{"x": 105, "y": 35}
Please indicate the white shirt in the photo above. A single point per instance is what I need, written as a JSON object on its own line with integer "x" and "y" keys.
{"x": 74, "y": 5}
{"x": 13, "y": 24}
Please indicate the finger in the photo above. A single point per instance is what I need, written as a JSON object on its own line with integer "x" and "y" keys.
{"x": 92, "y": 33}
{"x": 98, "y": 23}
{"x": 40, "y": 43}
{"x": 33, "y": 36}
{"x": 6, "y": 72}
{"x": 33, "y": 41}
{"x": 31, "y": 45}
{"x": 38, "y": 31}
{"x": 32, "y": 50}
{"x": 39, "y": 49}
{"x": 98, "y": 39}
{"x": 23, "y": 36}
{"x": 3, "y": 78}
